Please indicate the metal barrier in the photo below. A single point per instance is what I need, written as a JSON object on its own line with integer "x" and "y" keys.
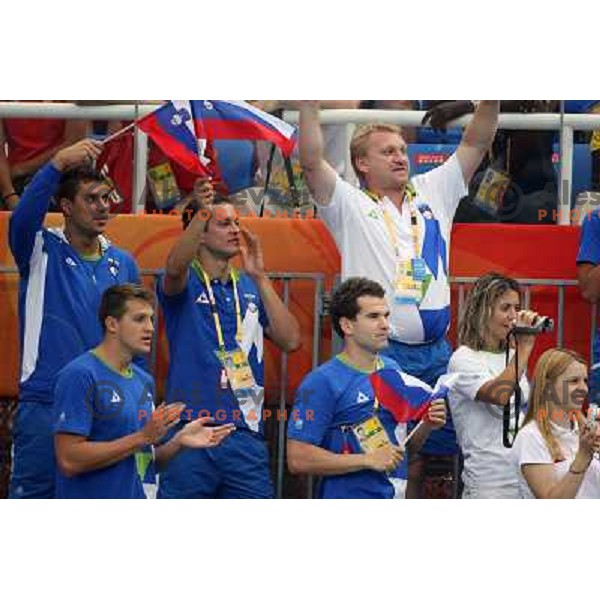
{"x": 566, "y": 124}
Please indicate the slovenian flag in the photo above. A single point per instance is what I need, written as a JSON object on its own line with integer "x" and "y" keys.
{"x": 185, "y": 130}
{"x": 172, "y": 128}
{"x": 404, "y": 396}
{"x": 238, "y": 120}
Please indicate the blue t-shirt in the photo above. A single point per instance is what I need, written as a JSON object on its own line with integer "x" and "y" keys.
{"x": 95, "y": 401}
{"x": 59, "y": 292}
{"x": 331, "y": 400}
{"x": 195, "y": 373}
{"x": 589, "y": 252}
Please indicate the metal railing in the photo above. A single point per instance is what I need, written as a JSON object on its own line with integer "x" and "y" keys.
{"x": 566, "y": 124}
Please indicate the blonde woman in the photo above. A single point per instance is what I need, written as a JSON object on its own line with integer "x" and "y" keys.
{"x": 486, "y": 384}
{"x": 555, "y": 449}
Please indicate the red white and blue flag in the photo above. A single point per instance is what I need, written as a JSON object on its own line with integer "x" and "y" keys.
{"x": 185, "y": 129}
{"x": 404, "y": 396}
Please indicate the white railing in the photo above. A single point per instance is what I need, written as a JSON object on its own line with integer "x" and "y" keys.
{"x": 565, "y": 124}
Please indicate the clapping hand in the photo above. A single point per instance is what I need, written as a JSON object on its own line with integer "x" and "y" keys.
{"x": 198, "y": 434}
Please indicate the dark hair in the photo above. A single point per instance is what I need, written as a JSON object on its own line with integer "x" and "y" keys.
{"x": 114, "y": 300}
{"x": 192, "y": 209}
{"x": 71, "y": 179}
{"x": 344, "y": 303}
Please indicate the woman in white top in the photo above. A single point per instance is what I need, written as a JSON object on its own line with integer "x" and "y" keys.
{"x": 555, "y": 449}
{"x": 487, "y": 383}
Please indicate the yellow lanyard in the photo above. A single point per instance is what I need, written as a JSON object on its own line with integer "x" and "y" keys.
{"x": 239, "y": 335}
{"x": 389, "y": 221}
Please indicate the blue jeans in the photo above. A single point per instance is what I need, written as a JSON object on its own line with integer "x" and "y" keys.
{"x": 428, "y": 362}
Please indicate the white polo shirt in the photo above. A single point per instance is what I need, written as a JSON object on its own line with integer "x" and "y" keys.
{"x": 530, "y": 449}
{"x": 357, "y": 224}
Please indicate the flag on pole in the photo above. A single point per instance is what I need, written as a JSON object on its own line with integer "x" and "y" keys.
{"x": 405, "y": 396}
{"x": 186, "y": 129}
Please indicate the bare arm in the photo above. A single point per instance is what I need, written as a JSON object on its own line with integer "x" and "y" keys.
{"x": 307, "y": 459}
{"x": 319, "y": 174}
{"x": 185, "y": 249}
{"x": 76, "y": 455}
{"x": 436, "y": 418}
{"x": 478, "y": 137}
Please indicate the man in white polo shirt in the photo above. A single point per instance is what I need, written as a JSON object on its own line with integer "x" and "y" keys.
{"x": 397, "y": 232}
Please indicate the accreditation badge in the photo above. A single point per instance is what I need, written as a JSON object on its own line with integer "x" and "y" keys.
{"x": 238, "y": 370}
{"x": 491, "y": 191}
{"x": 408, "y": 287}
{"x": 371, "y": 435}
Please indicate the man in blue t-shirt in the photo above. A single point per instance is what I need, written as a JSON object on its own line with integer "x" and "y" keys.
{"x": 63, "y": 273}
{"x": 340, "y": 431}
{"x": 105, "y": 425}
{"x": 215, "y": 317}
{"x": 588, "y": 273}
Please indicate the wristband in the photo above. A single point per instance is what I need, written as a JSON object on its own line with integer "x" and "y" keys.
{"x": 9, "y": 195}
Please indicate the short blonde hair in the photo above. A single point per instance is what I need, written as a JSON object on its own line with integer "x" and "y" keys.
{"x": 360, "y": 140}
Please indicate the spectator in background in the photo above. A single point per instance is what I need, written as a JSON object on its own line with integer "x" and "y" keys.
{"x": 63, "y": 273}
{"x": 8, "y": 196}
{"x": 517, "y": 182}
{"x": 28, "y": 144}
{"x": 486, "y": 384}
{"x": 554, "y": 451}
{"x": 335, "y": 149}
{"x": 589, "y": 107}
{"x": 397, "y": 232}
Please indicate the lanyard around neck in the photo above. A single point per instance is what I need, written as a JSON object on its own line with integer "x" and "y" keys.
{"x": 409, "y": 195}
{"x": 239, "y": 334}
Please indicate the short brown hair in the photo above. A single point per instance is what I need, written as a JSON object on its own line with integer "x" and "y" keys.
{"x": 360, "y": 139}
{"x": 114, "y": 300}
{"x": 344, "y": 303}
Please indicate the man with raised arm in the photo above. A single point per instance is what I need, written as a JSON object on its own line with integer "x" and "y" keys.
{"x": 396, "y": 231}
{"x": 63, "y": 272}
{"x": 216, "y": 317}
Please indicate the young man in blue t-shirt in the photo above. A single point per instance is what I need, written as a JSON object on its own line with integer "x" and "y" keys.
{"x": 216, "y": 318}
{"x": 105, "y": 425}
{"x": 335, "y": 405}
{"x": 63, "y": 272}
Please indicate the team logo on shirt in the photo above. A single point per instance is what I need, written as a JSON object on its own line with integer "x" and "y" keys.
{"x": 425, "y": 210}
{"x": 202, "y": 299}
{"x": 104, "y": 400}
{"x": 373, "y": 214}
{"x": 113, "y": 266}
{"x": 70, "y": 261}
{"x": 252, "y": 307}
{"x": 362, "y": 398}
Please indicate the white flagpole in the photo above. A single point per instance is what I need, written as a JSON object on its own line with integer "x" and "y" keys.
{"x": 118, "y": 133}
